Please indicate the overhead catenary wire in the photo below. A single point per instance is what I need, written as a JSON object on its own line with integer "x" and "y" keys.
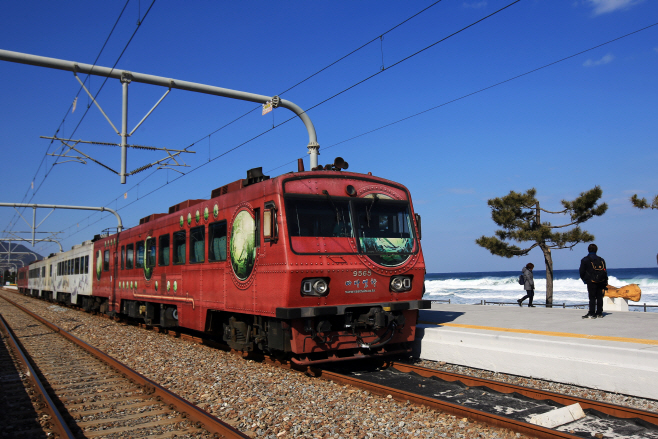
{"x": 96, "y": 95}
{"x": 300, "y": 82}
{"x": 399, "y": 120}
{"x": 68, "y": 112}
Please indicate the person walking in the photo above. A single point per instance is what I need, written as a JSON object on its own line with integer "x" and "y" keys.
{"x": 528, "y": 286}
{"x": 593, "y": 273}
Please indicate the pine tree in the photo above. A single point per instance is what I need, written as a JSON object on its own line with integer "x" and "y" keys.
{"x": 641, "y": 203}
{"x": 519, "y": 216}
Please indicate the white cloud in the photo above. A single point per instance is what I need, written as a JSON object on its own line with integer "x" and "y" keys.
{"x": 475, "y": 5}
{"x": 605, "y": 6}
{"x": 605, "y": 60}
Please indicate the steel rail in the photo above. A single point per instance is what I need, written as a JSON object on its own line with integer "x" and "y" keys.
{"x": 59, "y": 424}
{"x": 484, "y": 417}
{"x": 208, "y": 421}
{"x": 614, "y": 410}
{"x": 448, "y": 407}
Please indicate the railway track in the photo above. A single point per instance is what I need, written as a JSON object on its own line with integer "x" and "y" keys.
{"x": 495, "y": 403}
{"x": 468, "y": 397}
{"x": 26, "y": 410}
{"x": 101, "y": 397}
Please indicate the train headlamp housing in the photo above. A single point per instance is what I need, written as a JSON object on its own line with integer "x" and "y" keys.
{"x": 315, "y": 286}
{"x": 400, "y": 284}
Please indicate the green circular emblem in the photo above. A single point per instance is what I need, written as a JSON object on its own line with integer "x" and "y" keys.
{"x": 205, "y": 214}
{"x": 148, "y": 271}
{"x": 181, "y": 221}
{"x": 189, "y": 219}
{"x": 168, "y": 286}
{"x": 243, "y": 249}
{"x": 215, "y": 211}
{"x": 156, "y": 285}
{"x": 175, "y": 286}
{"x": 197, "y": 216}
{"x": 99, "y": 264}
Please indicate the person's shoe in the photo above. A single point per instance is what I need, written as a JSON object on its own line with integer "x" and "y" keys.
{"x": 519, "y": 302}
{"x": 531, "y": 306}
{"x": 588, "y": 316}
{"x": 593, "y": 316}
{"x": 599, "y": 316}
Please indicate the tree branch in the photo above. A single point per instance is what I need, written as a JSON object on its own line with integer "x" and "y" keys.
{"x": 566, "y": 225}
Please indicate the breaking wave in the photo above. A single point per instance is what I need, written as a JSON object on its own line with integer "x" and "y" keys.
{"x": 470, "y": 288}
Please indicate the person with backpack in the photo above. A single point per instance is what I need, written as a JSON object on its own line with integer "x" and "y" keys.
{"x": 593, "y": 273}
{"x": 526, "y": 279}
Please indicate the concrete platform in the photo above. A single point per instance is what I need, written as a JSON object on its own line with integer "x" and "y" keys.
{"x": 618, "y": 353}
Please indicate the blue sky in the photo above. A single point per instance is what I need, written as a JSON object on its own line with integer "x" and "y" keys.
{"x": 588, "y": 120}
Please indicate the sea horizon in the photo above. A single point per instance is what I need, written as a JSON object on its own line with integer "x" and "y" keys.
{"x": 503, "y": 286}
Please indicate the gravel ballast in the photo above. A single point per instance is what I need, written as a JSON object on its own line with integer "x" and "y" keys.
{"x": 266, "y": 401}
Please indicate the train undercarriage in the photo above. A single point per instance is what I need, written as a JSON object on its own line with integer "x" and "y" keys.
{"x": 356, "y": 332}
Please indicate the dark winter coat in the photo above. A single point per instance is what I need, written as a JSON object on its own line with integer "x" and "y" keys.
{"x": 529, "y": 279}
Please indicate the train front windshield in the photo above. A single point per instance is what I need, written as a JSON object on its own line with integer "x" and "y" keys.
{"x": 382, "y": 227}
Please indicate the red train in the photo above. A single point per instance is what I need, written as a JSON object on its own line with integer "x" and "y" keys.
{"x": 318, "y": 266}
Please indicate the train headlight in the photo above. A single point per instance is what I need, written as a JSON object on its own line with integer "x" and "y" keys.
{"x": 315, "y": 286}
{"x": 400, "y": 284}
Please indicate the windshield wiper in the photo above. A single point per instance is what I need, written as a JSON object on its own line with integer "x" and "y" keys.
{"x": 374, "y": 200}
{"x": 325, "y": 192}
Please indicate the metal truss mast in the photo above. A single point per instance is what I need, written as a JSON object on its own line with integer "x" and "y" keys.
{"x": 53, "y": 207}
{"x": 127, "y": 77}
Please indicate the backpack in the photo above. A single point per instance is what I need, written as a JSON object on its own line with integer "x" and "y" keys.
{"x": 521, "y": 280}
{"x": 596, "y": 271}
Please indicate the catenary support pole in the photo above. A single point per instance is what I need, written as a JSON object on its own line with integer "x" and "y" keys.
{"x": 53, "y": 63}
{"x": 60, "y": 206}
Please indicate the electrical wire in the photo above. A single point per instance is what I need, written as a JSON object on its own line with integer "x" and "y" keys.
{"x": 297, "y": 84}
{"x": 68, "y": 112}
{"x": 391, "y": 123}
{"x": 328, "y": 99}
{"x": 399, "y": 120}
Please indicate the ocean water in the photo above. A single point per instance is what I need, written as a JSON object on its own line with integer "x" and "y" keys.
{"x": 503, "y": 286}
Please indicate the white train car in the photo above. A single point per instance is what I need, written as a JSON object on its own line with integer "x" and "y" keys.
{"x": 63, "y": 277}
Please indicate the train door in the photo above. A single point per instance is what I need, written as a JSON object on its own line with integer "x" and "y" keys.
{"x": 193, "y": 271}
{"x": 115, "y": 274}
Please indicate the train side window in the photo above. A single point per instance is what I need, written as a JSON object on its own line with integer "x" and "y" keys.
{"x": 139, "y": 255}
{"x": 270, "y": 230}
{"x": 163, "y": 254}
{"x": 76, "y": 269}
{"x": 130, "y": 253}
{"x": 43, "y": 271}
{"x": 179, "y": 247}
{"x": 51, "y": 270}
{"x": 106, "y": 261}
{"x": 86, "y": 264}
{"x": 197, "y": 244}
{"x": 217, "y": 241}
{"x": 150, "y": 252}
{"x": 123, "y": 254}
